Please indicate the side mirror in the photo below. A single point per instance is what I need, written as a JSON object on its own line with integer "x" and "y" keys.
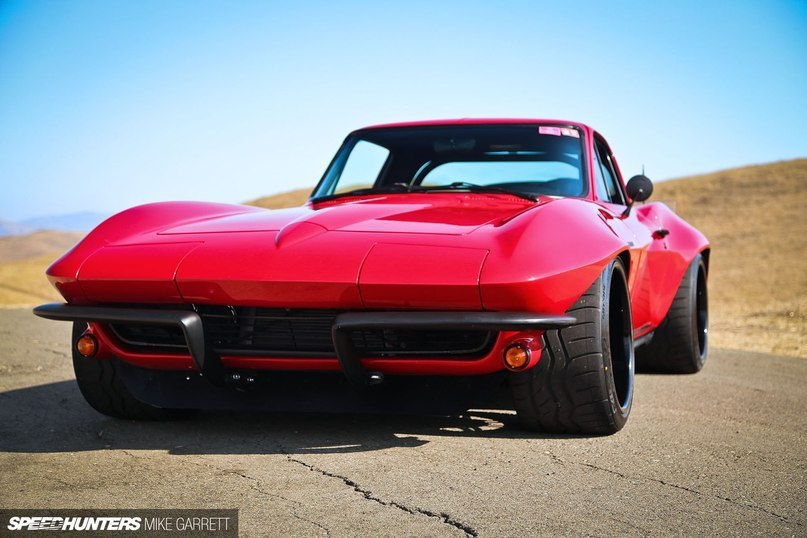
{"x": 639, "y": 189}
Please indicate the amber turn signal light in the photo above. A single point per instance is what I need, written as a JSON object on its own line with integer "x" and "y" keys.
{"x": 516, "y": 356}
{"x": 87, "y": 345}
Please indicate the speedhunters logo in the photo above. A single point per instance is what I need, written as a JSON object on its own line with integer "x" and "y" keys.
{"x": 50, "y": 523}
{"x": 133, "y": 522}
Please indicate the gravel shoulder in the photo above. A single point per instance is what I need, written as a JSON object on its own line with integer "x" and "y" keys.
{"x": 721, "y": 452}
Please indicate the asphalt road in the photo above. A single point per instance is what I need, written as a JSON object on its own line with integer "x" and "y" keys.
{"x": 722, "y": 452}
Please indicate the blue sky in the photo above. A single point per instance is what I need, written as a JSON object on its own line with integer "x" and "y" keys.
{"x": 109, "y": 104}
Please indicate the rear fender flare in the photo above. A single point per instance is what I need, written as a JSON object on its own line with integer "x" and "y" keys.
{"x": 669, "y": 256}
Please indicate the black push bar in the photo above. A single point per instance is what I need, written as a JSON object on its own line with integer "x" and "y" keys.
{"x": 209, "y": 362}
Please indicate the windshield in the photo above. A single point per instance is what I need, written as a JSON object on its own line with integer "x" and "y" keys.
{"x": 526, "y": 159}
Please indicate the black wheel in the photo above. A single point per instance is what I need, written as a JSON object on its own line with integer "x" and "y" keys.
{"x": 680, "y": 342}
{"x": 102, "y": 387}
{"x": 584, "y": 380}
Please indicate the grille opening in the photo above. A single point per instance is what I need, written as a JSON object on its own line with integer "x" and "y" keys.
{"x": 160, "y": 336}
{"x": 302, "y": 332}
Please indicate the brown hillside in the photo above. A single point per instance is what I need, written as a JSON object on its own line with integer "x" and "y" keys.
{"x": 756, "y": 220}
{"x": 21, "y": 247}
{"x": 23, "y": 282}
{"x": 284, "y": 199}
{"x": 23, "y": 260}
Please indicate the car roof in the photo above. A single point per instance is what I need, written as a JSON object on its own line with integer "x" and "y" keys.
{"x": 479, "y": 121}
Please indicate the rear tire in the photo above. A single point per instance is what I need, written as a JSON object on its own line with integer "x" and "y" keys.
{"x": 679, "y": 344}
{"x": 101, "y": 385}
{"x": 584, "y": 380}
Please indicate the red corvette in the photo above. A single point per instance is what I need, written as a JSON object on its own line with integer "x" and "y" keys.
{"x": 435, "y": 264}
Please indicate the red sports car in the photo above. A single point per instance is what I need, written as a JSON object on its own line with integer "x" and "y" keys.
{"x": 435, "y": 264}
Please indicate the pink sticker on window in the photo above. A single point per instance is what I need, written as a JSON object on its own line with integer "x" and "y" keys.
{"x": 570, "y": 132}
{"x": 549, "y": 131}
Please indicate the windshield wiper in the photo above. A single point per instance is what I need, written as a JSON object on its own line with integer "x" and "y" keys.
{"x": 397, "y": 187}
{"x": 473, "y": 187}
{"x": 405, "y": 187}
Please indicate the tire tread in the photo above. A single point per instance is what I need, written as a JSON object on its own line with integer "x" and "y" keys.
{"x": 673, "y": 348}
{"x": 566, "y": 391}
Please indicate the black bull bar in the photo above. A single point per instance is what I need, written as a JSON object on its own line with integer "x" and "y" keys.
{"x": 209, "y": 363}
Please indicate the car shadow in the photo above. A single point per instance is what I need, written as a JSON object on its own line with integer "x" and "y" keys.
{"x": 55, "y": 418}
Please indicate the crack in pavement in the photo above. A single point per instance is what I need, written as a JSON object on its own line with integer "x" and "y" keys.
{"x": 784, "y": 519}
{"x": 60, "y": 481}
{"x": 128, "y": 453}
{"x": 367, "y": 494}
{"x": 640, "y": 529}
{"x": 255, "y": 486}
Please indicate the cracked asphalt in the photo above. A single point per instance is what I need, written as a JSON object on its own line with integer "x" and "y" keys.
{"x": 722, "y": 452}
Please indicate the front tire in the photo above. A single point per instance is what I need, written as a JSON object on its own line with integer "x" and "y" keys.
{"x": 679, "y": 344}
{"x": 584, "y": 380}
{"x": 101, "y": 385}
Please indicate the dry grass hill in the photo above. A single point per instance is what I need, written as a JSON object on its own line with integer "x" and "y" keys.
{"x": 284, "y": 199}
{"x": 23, "y": 260}
{"x": 756, "y": 219}
{"x": 22, "y": 247}
{"x": 754, "y": 216}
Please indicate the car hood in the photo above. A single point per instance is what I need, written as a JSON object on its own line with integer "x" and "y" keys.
{"x": 437, "y": 213}
{"x": 348, "y": 254}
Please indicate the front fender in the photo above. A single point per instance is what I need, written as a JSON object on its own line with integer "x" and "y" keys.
{"x": 127, "y": 226}
{"x": 547, "y": 258}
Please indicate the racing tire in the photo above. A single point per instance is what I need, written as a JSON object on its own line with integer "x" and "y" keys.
{"x": 583, "y": 382}
{"x": 680, "y": 343}
{"x": 101, "y": 385}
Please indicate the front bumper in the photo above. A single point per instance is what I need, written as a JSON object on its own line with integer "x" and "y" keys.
{"x": 209, "y": 363}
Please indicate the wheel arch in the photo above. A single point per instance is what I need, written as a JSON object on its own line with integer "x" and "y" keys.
{"x": 625, "y": 257}
{"x": 706, "y": 253}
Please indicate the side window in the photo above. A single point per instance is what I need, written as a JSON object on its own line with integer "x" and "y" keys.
{"x": 363, "y": 167}
{"x": 599, "y": 179}
{"x": 608, "y": 188}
